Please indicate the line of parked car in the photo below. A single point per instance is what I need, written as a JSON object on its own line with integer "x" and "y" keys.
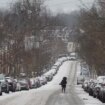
{"x": 22, "y": 82}
{"x": 95, "y": 88}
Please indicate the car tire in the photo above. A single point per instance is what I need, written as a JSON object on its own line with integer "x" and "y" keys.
{"x": 7, "y": 91}
{"x": 0, "y": 93}
{"x": 13, "y": 90}
{"x": 94, "y": 95}
{"x": 27, "y": 88}
{"x": 103, "y": 99}
{"x": 77, "y": 83}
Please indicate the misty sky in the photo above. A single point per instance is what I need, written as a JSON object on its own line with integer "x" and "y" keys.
{"x": 5, "y": 4}
{"x": 55, "y": 5}
{"x": 67, "y": 5}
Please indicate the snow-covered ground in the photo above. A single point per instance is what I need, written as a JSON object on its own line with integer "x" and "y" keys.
{"x": 37, "y": 96}
{"x": 54, "y": 84}
{"x": 41, "y": 95}
{"x": 88, "y": 100}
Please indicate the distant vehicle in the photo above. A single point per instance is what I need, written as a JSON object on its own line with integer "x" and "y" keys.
{"x": 49, "y": 76}
{"x": 53, "y": 71}
{"x": 73, "y": 56}
{"x": 58, "y": 64}
{"x": 4, "y": 84}
{"x": 101, "y": 79}
{"x": 63, "y": 55}
{"x": 12, "y": 84}
{"x": 43, "y": 80}
{"x": 80, "y": 79}
{"x": 37, "y": 82}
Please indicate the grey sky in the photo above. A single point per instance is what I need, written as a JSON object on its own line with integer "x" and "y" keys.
{"x": 55, "y": 5}
{"x": 5, "y": 4}
{"x": 66, "y": 5}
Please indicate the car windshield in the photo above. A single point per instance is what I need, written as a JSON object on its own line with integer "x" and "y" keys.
{"x": 22, "y": 80}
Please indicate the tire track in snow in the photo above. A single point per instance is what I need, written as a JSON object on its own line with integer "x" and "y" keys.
{"x": 70, "y": 97}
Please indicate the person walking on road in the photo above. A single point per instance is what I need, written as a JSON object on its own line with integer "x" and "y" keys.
{"x": 63, "y": 84}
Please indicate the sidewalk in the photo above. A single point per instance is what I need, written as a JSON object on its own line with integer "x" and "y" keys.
{"x": 88, "y": 100}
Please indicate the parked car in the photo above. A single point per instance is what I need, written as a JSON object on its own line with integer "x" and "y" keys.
{"x": 96, "y": 90}
{"x": 102, "y": 93}
{"x": 25, "y": 77}
{"x": 101, "y": 79}
{"x": 48, "y": 75}
{"x": 4, "y": 84}
{"x": 85, "y": 85}
{"x": 80, "y": 79}
{"x": 92, "y": 87}
{"x": 73, "y": 56}
{"x": 18, "y": 85}
{"x": 53, "y": 71}
{"x": 37, "y": 82}
{"x": 43, "y": 80}
{"x": 24, "y": 84}
{"x": 12, "y": 84}
{"x": 33, "y": 84}
{"x": 0, "y": 90}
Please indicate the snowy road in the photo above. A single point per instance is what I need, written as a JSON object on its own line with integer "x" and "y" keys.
{"x": 49, "y": 94}
{"x": 69, "y": 98}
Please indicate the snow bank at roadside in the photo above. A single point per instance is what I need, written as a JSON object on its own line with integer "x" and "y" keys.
{"x": 62, "y": 72}
{"x": 88, "y": 100}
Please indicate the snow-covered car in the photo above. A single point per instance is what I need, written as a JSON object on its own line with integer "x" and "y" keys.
{"x": 102, "y": 94}
{"x": 58, "y": 64}
{"x": 12, "y": 84}
{"x": 85, "y": 85}
{"x": 33, "y": 84}
{"x": 18, "y": 85}
{"x": 101, "y": 79}
{"x": 4, "y": 83}
{"x": 53, "y": 71}
{"x": 61, "y": 60}
{"x": 0, "y": 90}
{"x": 49, "y": 76}
{"x": 73, "y": 56}
{"x": 80, "y": 79}
{"x": 96, "y": 89}
{"x": 25, "y": 77}
{"x": 43, "y": 80}
{"x": 24, "y": 84}
{"x": 37, "y": 82}
{"x": 91, "y": 87}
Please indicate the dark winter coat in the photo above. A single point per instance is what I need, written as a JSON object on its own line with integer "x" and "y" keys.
{"x": 63, "y": 82}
